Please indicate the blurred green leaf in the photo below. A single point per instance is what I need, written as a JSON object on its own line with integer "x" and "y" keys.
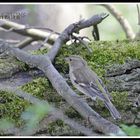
{"x": 5, "y": 124}
{"x": 33, "y": 115}
{"x": 131, "y": 130}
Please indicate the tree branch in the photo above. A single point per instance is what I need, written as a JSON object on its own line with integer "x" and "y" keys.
{"x": 123, "y": 22}
{"x": 74, "y": 28}
{"x": 33, "y": 33}
{"x": 137, "y": 37}
{"x": 24, "y": 43}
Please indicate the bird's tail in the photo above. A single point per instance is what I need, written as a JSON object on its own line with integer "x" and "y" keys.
{"x": 115, "y": 114}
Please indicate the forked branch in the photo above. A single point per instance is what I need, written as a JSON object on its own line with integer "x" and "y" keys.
{"x": 44, "y": 63}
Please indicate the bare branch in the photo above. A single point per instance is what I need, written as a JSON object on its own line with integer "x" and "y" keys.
{"x": 10, "y": 41}
{"x": 24, "y": 43}
{"x": 138, "y": 33}
{"x": 33, "y": 33}
{"x": 43, "y": 28}
{"x": 138, "y": 14}
{"x": 74, "y": 28}
{"x": 123, "y": 22}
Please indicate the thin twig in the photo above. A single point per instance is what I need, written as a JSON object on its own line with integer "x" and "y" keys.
{"x": 137, "y": 37}
{"x": 46, "y": 39}
{"x": 24, "y": 43}
{"x": 33, "y": 33}
{"x": 43, "y": 28}
{"x": 83, "y": 42}
{"x": 138, "y": 14}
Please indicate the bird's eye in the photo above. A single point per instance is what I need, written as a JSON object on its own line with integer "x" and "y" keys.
{"x": 70, "y": 59}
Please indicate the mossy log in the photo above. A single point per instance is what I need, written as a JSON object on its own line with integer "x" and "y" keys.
{"x": 116, "y": 62}
{"x": 126, "y": 77}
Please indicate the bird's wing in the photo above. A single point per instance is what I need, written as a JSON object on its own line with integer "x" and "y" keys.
{"x": 82, "y": 82}
{"x": 88, "y": 83}
{"x": 106, "y": 90}
{"x": 91, "y": 91}
{"x": 98, "y": 82}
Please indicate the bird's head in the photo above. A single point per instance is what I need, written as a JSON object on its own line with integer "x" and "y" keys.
{"x": 75, "y": 61}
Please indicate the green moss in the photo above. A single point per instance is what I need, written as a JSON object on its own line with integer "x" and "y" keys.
{"x": 23, "y": 66}
{"x": 9, "y": 66}
{"x": 53, "y": 97}
{"x": 120, "y": 100}
{"x": 100, "y": 108}
{"x": 43, "y": 50}
{"x": 37, "y": 87}
{"x": 42, "y": 88}
{"x": 72, "y": 113}
{"x": 11, "y": 107}
{"x": 59, "y": 128}
{"x": 107, "y": 53}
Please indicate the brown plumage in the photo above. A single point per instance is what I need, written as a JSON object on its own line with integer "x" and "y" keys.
{"x": 87, "y": 81}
